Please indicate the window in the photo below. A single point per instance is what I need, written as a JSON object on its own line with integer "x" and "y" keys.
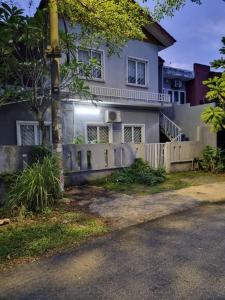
{"x": 133, "y": 134}
{"x": 137, "y": 70}
{"x": 91, "y": 56}
{"x": 177, "y": 96}
{"x": 98, "y": 134}
{"x": 29, "y": 133}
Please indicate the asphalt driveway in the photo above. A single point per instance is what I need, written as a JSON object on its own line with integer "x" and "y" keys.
{"x": 177, "y": 257}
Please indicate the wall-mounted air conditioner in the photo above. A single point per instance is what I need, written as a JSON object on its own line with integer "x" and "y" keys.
{"x": 177, "y": 83}
{"x": 112, "y": 116}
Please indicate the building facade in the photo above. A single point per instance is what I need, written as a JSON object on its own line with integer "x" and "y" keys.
{"x": 126, "y": 103}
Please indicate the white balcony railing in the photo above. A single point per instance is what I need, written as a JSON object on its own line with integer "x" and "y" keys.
{"x": 128, "y": 96}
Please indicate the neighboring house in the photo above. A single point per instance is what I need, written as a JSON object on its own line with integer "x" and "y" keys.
{"x": 188, "y": 97}
{"x": 127, "y": 106}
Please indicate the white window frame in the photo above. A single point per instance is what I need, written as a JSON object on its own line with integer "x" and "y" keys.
{"x": 36, "y": 132}
{"x": 102, "y": 79}
{"x": 99, "y": 125}
{"x": 132, "y": 126}
{"x": 179, "y": 97}
{"x": 141, "y": 60}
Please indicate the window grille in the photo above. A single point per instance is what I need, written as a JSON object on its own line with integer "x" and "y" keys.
{"x": 97, "y": 134}
{"x": 137, "y": 72}
{"x": 92, "y": 134}
{"x": 86, "y": 57}
{"x": 128, "y": 135}
{"x": 27, "y": 135}
{"x": 133, "y": 134}
{"x": 103, "y": 134}
{"x": 137, "y": 135}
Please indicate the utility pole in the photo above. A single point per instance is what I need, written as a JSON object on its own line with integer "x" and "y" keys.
{"x": 54, "y": 54}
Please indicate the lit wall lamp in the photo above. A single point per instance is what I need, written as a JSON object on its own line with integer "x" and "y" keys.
{"x": 94, "y": 111}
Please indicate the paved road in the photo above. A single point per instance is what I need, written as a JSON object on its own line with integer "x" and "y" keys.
{"x": 177, "y": 257}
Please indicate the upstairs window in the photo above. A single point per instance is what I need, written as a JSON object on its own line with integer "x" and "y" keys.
{"x": 137, "y": 72}
{"x": 89, "y": 56}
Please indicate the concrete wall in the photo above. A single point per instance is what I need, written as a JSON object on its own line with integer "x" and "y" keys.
{"x": 189, "y": 119}
{"x": 75, "y": 123}
{"x": 179, "y": 156}
{"x": 13, "y": 158}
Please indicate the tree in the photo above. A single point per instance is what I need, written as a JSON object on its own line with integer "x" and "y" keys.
{"x": 215, "y": 117}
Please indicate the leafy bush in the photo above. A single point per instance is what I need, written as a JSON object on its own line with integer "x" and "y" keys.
{"x": 139, "y": 172}
{"x": 212, "y": 160}
{"x": 38, "y": 153}
{"x": 8, "y": 178}
{"x": 37, "y": 187}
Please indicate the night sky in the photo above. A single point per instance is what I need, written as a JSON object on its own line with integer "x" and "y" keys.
{"x": 197, "y": 29}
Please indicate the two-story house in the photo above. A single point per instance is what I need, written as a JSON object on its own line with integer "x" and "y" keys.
{"x": 128, "y": 104}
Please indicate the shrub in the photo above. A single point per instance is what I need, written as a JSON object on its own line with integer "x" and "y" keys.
{"x": 8, "y": 178}
{"x": 37, "y": 187}
{"x": 139, "y": 172}
{"x": 212, "y": 160}
{"x": 38, "y": 153}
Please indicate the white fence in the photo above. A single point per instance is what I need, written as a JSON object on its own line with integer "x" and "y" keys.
{"x": 154, "y": 155}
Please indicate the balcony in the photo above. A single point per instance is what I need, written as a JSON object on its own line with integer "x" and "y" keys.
{"x": 174, "y": 73}
{"x": 129, "y": 97}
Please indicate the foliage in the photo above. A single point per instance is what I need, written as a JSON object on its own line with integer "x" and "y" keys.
{"x": 174, "y": 181}
{"x": 139, "y": 172}
{"x": 215, "y": 117}
{"x": 37, "y": 187}
{"x": 38, "y": 153}
{"x": 44, "y": 233}
{"x": 212, "y": 160}
{"x": 9, "y": 178}
{"x": 167, "y": 8}
{"x": 79, "y": 140}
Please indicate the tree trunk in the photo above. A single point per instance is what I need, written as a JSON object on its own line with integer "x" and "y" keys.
{"x": 55, "y": 81}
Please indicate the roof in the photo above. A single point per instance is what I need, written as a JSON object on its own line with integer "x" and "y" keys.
{"x": 154, "y": 32}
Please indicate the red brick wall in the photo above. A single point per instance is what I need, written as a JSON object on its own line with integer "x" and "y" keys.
{"x": 196, "y": 91}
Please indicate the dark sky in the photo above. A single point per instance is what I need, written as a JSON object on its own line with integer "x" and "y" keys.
{"x": 198, "y": 30}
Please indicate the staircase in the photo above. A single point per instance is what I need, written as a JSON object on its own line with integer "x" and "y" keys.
{"x": 171, "y": 130}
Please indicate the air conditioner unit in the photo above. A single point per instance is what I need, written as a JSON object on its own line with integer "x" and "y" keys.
{"x": 177, "y": 83}
{"x": 112, "y": 116}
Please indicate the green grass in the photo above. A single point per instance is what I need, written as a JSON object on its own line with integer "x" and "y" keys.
{"x": 174, "y": 181}
{"x": 46, "y": 233}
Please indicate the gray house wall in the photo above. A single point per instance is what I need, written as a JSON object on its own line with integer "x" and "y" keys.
{"x": 115, "y": 66}
{"x": 11, "y": 113}
{"x": 75, "y": 124}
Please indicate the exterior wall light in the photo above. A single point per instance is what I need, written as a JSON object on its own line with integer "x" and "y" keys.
{"x": 87, "y": 111}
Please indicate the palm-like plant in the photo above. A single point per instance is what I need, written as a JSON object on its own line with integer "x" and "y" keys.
{"x": 214, "y": 117}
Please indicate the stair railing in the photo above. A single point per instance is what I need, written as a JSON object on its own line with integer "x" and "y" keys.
{"x": 170, "y": 129}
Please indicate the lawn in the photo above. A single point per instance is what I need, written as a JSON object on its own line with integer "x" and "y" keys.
{"x": 174, "y": 181}
{"x": 47, "y": 233}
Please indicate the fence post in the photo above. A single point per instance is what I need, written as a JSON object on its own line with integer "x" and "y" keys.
{"x": 167, "y": 157}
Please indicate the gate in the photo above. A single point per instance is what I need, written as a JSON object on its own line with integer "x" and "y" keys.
{"x": 154, "y": 154}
